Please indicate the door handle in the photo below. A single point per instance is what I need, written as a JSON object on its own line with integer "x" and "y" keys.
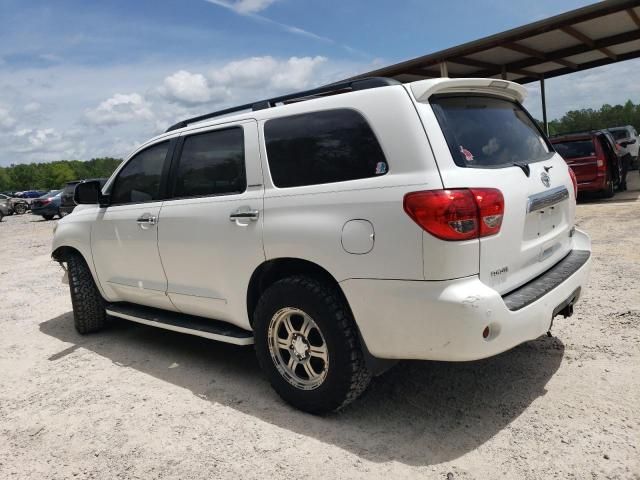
{"x": 147, "y": 220}
{"x": 244, "y": 213}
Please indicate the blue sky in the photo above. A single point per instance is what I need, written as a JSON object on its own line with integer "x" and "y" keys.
{"x": 80, "y": 79}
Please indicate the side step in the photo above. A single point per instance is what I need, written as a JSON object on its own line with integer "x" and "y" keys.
{"x": 180, "y": 322}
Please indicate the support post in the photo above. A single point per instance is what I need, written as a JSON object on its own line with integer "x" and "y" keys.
{"x": 444, "y": 72}
{"x": 544, "y": 106}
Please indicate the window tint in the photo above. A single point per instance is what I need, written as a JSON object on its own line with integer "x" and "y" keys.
{"x": 488, "y": 132}
{"x": 576, "y": 149}
{"x": 322, "y": 147}
{"x": 619, "y": 134}
{"x": 139, "y": 180}
{"x": 212, "y": 163}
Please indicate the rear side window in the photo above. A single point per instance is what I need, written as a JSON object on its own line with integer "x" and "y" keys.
{"x": 575, "y": 149}
{"x": 322, "y": 147}
{"x": 139, "y": 179}
{"x": 212, "y": 163}
{"x": 485, "y": 132}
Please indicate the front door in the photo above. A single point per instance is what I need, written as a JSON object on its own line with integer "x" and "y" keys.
{"x": 124, "y": 237}
{"x": 210, "y": 230}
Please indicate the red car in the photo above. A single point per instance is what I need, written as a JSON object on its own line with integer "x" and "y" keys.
{"x": 594, "y": 159}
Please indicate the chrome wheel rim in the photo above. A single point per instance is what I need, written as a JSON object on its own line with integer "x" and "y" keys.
{"x": 298, "y": 348}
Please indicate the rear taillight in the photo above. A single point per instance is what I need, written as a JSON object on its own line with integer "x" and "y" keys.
{"x": 457, "y": 214}
{"x": 574, "y": 180}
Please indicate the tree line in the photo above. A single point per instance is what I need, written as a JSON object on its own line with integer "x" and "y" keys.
{"x": 53, "y": 175}
{"x": 607, "y": 116}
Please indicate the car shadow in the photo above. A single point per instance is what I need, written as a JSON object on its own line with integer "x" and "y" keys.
{"x": 418, "y": 413}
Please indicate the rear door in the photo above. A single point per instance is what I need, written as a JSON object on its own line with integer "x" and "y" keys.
{"x": 210, "y": 230}
{"x": 582, "y": 156}
{"x": 494, "y": 143}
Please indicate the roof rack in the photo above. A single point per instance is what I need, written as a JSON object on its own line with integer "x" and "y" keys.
{"x": 331, "y": 89}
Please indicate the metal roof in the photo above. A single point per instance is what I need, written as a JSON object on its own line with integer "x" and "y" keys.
{"x": 592, "y": 36}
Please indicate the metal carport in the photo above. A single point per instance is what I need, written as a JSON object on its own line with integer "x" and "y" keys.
{"x": 592, "y": 36}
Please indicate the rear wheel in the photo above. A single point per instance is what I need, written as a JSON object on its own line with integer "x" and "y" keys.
{"x": 1, "y": 216}
{"x": 48, "y": 217}
{"x": 610, "y": 187}
{"x": 20, "y": 208}
{"x": 89, "y": 314}
{"x": 307, "y": 344}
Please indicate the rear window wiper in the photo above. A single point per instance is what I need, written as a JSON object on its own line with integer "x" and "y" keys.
{"x": 524, "y": 166}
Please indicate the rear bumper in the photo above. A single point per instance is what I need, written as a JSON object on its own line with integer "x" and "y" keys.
{"x": 445, "y": 320}
{"x": 46, "y": 210}
{"x": 596, "y": 185}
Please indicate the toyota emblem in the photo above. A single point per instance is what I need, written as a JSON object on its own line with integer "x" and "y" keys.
{"x": 546, "y": 179}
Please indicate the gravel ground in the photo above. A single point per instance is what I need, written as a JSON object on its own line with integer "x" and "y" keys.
{"x": 136, "y": 402}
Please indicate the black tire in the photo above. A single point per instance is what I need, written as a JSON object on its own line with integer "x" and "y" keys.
{"x": 610, "y": 187}
{"x": 1, "y": 216}
{"x": 48, "y": 217}
{"x": 347, "y": 375}
{"x": 20, "y": 208}
{"x": 89, "y": 314}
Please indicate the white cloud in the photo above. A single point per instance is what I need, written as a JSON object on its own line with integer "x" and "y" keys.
{"x": 244, "y": 7}
{"x": 268, "y": 73}
{"x": 188, "y": 88}
{"x": 120, "y": 108}
{"x": 31, "y": 107}
{"x": 6, "y": 120}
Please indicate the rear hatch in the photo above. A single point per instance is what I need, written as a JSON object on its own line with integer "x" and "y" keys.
{"x": 581, "y": 155}
{"x": 494, "y": 143}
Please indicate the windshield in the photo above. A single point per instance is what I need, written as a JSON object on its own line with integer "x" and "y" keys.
{"x": 489, "y": 132}
{"x": 619, "y": 134}
{"x": 575, "y": 149}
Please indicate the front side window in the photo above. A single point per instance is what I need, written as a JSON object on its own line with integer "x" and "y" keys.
{"x": 619, "y": 134}
{"x": 212, "y": 163}
{"x": 139, "y": 179}
{"x": 322, "y": 147}
{"x": 488, "y": 132}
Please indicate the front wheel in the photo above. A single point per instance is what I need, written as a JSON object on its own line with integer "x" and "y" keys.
{"x": 48, "y": 217}
{"x": 307, "y": 344}
{"x": 89, "y": 313}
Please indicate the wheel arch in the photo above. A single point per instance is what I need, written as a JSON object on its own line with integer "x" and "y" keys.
{"x": 270, "y": 271}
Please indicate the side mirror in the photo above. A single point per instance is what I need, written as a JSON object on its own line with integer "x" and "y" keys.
{"x": 89, "y": 193}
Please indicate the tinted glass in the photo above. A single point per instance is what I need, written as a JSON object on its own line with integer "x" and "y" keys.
{"x": 212, "y": 163}
{"x": 576, "y": 149}
{"x": 139, "y": 180}
{"x": 322, "y": 147}
{"x": 619, "y": 134}
{"x": 489, "y": 132}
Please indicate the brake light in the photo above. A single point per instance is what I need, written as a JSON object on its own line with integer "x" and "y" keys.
{"x": 574, "y": 180}
{"x": 457, "y": 214}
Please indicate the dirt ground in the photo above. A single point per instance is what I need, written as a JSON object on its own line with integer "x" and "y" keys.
{"x": 137, "y": 402}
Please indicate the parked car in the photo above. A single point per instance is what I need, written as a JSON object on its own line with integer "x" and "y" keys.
{"x": 5, "y": 208}
{"x": 67, "y": 203}
{"x": 629, "y": 142}
{"x": 594, "y": 158}
{"x": 48, "y": 205}
{"x": 338, "y": 229}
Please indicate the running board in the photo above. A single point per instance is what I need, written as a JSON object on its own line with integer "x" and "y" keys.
{"x": 180, "y": 322}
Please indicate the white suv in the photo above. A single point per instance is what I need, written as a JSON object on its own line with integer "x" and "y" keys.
{"x": 339, "y": 229}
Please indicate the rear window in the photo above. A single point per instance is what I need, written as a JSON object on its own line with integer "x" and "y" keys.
{"x": 489, "y": 132}
{"x": 322, "y": 147}
{"x": 575, "y": 149}
{"x": 619, "y": 134}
